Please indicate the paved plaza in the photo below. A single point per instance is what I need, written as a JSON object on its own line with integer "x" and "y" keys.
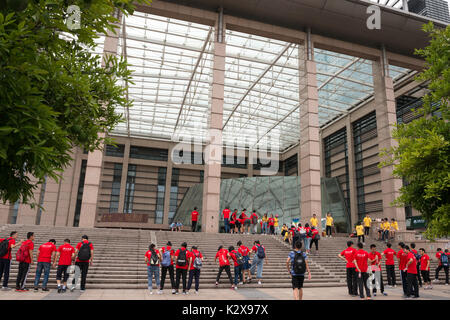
{"x": 439, "y": 292}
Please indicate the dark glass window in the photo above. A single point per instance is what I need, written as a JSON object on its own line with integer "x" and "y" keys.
{"x": 161, "y": 191}
{"x": 115, "y": 189}
{"x": 115, "y": 151}
{"x": 291, "y": 166}
{"x": 148, "y": 153}
{"x": 174, "y": 193}
{"x": 236, "y": 162}
{"x": 129, "y": 189}
{"x": 41, "y": 202}
{"x": 76, "y": 218}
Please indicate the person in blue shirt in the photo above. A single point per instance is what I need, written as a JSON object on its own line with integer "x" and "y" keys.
{"x": 297, "y": 279}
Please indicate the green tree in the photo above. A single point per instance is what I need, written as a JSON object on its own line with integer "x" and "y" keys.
{"x": 422, "y": 156}
{"x": 54, "y": 93}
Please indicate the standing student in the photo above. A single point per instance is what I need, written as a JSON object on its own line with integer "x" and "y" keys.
{"x": 361, "y": 258}
{"x": 167, "y": 254}
{"x": 329, "y": 224}
{"x": 245, "y": 252}
{"x": 233, "y": 221}
{"x": 224, "y": 264}
{"x": 348, "y": 255}
{"x": 254, "y": 220}
{"x": 367, "y": 224}
{"x": 314, "y": 221}
{"x": 425, "y": 268}
{"x": 308, "y": 237}
{"x": 264, "y": 221}
{"x": 393, "y": 228}
{"x": 5, "y": 259}
{"x": 64, "y": 255}
{"x": 226, "y": 219}
{"x": 25, "y": 258}
{"x": 194, "y": 219}
{"x": 152, "y": 259}
{"x": 297, "y": 265}
{"x": 402, "y": 259}
{"x": 238, "y": 261}
{"x": 259, "y": 258}
{"x": 315, "y": 238}
{"x": 386, "y": 230}
{"x": 271, "y": 224}
{"x": 411, "y": 269}
{"x": 417, "y": 255}
{"x": 195, "y": 265}
{"x": 375, "y": 265}
{"x": 182, "y": 257}
{"x": 245, "y": 222}
{"x": 47, "y": 253}
{"x": 85, "y": 256}
{"x": 360, "y": 232}
{"x": 276, "y": 224}
{"x": 389, "y": 254}
{"x": 443, "y": 263}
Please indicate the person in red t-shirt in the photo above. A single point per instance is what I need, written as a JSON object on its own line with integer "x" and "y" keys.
{"x": 194, "y": 219}
{"x": 254, "y": 221}
{"x": 82, "y": 248}
{"x": 375, "y": 264}
{"x": 425, "y": 268}
{"x": 314, "y": 239}
{"x": 401, "y": 256}
{"x": 416, "y": 254}
{"x": 271, "y": 224}
{"x": 237, "y": 266}
{"x": 24, "y": 266}
{"x": 348, "y": 255}
{"x": 245, "y": 221}
{"x": 226, "y": 219}
{"x": 182, "y": 257}
{"x": 47, "y": 253}
{"x": 194, "y": 268}
{"x": 167, "y": 254}
{"x": 389, "y": 254}
{"x": 411, "y": 269}
{"x": 5, "y": 261}
{"x": 360, "y": 260}
{"x": 245, "y": 252}
{"x": 64, "y": 255}
{"x": 152, "y": 259}
{"x": 258, "y": 262}
{"x": 440, "y": 266}
{"x": 224, "y": 264}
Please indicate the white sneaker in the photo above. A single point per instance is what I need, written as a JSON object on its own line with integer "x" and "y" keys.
{"x": 436, "y": 280}
{"x": 159, "y": 292}
{"x": 446, "y": 284}
{"x": 241, "y": 283}
{"x": 173, "y": 291}
{"x": 151, "y": 292}
{"x": 196, "y": 291}
{"x": 235, "y": 287}
{"x": 259, "y": 282}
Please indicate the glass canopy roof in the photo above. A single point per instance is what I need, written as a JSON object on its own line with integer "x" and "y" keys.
{"x": 389, "y": 3}
{"x": 172, "y": 78}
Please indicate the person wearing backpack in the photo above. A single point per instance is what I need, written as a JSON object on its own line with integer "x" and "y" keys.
{"x": 297, "y": 265}
{"x": 25, "y": 258}
{"x": 195, "y": 266}
{"x": 259, "y": 258}
{"x": 6, "y": 246}
{"x": 181, "y": 264}
{"x": 167, "y": 254}
{"x": 417, "y": 255}
{"x": 47, "y": 254}
{"x": 152, "y": 259}
{"x": 254, "y": 220}
{"x": 443, "y": 260}
{"x": 238, "y": 261}
{"x": 224, "y": 264}
{"x": 85, "y": 255}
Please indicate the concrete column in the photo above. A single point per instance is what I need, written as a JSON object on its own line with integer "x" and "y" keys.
{"x": 167, "y": 189}
{"x": 385, "y": 109}
{"x": 5, "y": 210}
{"x": 351, "y": 172}
{"x": 213, "y": 149}
{"x": 50, "y": 203}
{"x": 123, "y": 179}
{"x": 310, "y": 200}
{"x": 77, "y": 162}
{"x": 66, "y": 187}
{"x": 26, "y": 214}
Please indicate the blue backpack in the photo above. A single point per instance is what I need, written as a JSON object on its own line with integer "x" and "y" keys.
{"x": 166, "y": 260}
{"x": 444, "y": 259}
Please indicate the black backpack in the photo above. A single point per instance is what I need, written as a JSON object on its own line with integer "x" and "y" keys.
{"x": 299, "y": 263}
{"x": 181, "y": 261}
{"x": 239, "y": 258}
{"x": 4, "y": 247}
{"x": 85, "y": 251}
{"x": 260, "y": 252}
{"x": 154, "y": 259}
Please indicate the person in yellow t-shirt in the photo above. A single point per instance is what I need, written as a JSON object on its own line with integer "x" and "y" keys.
{"x": 329, "y": 224}
{"x": 314, "y": 221}
{"x": 367, "y": 224}
{"x": 394, "y": 227}
{"x": 360, "y": 232}
{"x": 385, "y": 226}
{"x": 275, "y": 224}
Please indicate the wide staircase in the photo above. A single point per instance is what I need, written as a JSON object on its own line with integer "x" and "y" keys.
{"x": 119, "y": 256}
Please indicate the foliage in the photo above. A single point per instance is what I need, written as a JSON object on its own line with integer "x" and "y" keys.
{"x": 54, "y": 93}
{"x": 422, "y": 157}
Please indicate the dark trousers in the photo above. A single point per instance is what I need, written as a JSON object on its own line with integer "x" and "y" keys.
{"x": 316, "y": 242}
{"x": 42, "y": 266}
{"x": 403, "y": 275}
{"x": 425, "y": 276}
{"x": 385, "y": 235}
{"x": 381, "y": 284}
{"x": 390, "y": 270}
{"x": 238, "y": 274}
{"x": 359, "y": 238}
{"x": 352, "y": 284}
{"x": 413, "y": 286}
{"x": 445, "y": 270}
{"x": 195, "y": 273}
{"x": 366, "y": 230}
{"x": 194, "y": 226}
{"x": 5, "y": 267}
{"x": 362, "y": 283}
{"x": 419, "y": 279}
{"x": 227, "y": 270}
{"x": 84, "y": 266}
{"x": 22, "y": 275}
{"x": 328, "y": 229}
{"x": 181, "y": 273}
{"x": 171, "y": 275}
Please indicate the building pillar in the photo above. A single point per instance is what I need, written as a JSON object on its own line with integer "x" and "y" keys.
{"x": 5, "y": 211}
{"x": 385, "y": 109}
{"x": 351, "y": 172}
{"x": 50, "y": 203}
{"x": 168, "y": 186}
{"x": 26, "y": 214}
{"x": 310, "y": 192}
{"x": 65, "y": 193}
{"x": 213, "y": 150}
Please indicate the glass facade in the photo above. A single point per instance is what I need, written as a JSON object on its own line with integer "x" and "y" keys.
{"x": 148, "y": 153}
{"x": 173, "y": 193}
{"x": 129, "y": 189}
{"x": 115, "y": 151}
{"x": 161, "y": 190}
{"x": 272, "y": 195}
{"x": 115, "y": 189}
{"x": 76, "y": 218}
{"x": 41, "y": 202}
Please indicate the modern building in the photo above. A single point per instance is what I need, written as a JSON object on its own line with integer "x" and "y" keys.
{"x": 300, "y": 87}
{"x": 436, "y": 9}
